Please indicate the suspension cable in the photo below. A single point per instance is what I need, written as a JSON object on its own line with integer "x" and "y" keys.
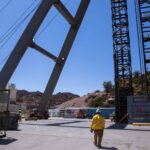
{"x": 15, "y": 29}
{"x": 4, "y": 36}
{"x": 49, "y": 22}
{"x": 10, "y": 32}
{"x": 5, "y": 58}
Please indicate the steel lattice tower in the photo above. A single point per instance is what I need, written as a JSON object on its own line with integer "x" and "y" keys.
{"x": 122, "y": 58}
{"x": 143, "y": 15}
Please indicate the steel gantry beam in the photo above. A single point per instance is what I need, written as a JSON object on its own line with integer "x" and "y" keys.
{"x": 122, "y": 58}
{"x": 143, "y": 23}
{"x": 26, "y": 40}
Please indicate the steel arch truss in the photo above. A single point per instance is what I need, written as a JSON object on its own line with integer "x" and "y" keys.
{"x": 26, "y": 41}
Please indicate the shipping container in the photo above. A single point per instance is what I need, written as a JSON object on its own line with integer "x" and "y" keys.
{"x": 138, "y": 109}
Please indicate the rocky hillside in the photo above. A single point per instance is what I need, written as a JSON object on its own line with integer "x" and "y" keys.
{"x": 33, "y": 98}
{"x": 76, "y": 102}
{"x": 95, "y": 99}
{"x": 67, "y": 99}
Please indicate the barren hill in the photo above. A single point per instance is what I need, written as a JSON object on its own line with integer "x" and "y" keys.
{"x": 76, "y": 102}
{"x": 33, "y": 98}
{"x": 102, "y": 98}
{"x": 66, "y": 99}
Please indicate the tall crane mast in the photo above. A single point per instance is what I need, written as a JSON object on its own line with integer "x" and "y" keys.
{"x": 26, "y": 40}
{"x": 143, "y": 23}
{"x": 122, "y": 58}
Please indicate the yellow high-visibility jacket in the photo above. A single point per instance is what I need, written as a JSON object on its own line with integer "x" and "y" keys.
{"x": 98, "y": 122}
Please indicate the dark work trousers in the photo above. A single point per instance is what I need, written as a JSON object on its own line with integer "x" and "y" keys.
{"x": 98, "y": 135}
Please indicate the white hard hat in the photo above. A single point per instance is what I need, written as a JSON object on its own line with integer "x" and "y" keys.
{"x": 98, "y": 110}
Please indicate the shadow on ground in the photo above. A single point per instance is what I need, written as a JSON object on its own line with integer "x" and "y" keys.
{"x": 6, "y": 141}
{"x": 74, "y": 124}
{"x": 117, "y": 126}
{"x": 109, "y": 148}
{"x": 123, "y": 127}
{"x": 60, "y": 124}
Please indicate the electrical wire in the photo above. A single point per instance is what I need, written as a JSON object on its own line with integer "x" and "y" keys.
{"x": 9, "y": 2}
{"x": 5, "y": 58}
{"x": 46, "y": 26}
{"x": 49, "y": 22}
{"x": 15, "y": 29}
{"x": 6, "y": 34}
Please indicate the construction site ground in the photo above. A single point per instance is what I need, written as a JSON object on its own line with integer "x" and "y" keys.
{"x": 74, "y": 134}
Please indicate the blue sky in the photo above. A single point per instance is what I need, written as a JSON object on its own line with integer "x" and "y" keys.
{"x": 90, "y": 62}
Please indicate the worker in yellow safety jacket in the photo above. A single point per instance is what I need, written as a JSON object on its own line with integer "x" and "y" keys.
{"x": 98, "y": 125}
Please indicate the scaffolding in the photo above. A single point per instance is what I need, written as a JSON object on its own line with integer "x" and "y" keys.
{"x": 122, "y": 58}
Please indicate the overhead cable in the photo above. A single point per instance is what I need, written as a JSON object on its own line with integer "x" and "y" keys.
{"x": 6, "y": 37}
{"x": 5, "y": 58}
{"x": 1, "y": 9}
{"x": 49, "y": 22}
{"x": 15, "y": 29}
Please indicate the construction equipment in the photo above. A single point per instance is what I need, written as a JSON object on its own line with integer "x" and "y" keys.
{"x": 35, "y": 114}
